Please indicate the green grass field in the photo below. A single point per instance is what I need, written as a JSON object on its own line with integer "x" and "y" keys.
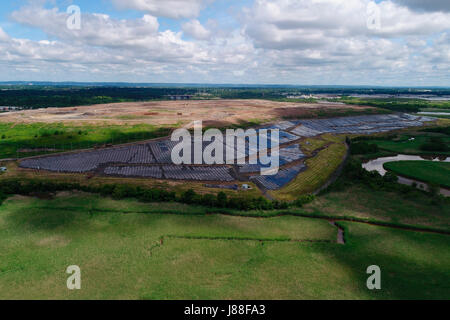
{"x": 426, "y": 171}
{"x": 405, "y": 146}
{"x": 117, "y": 245}
{"x": 415, "y": 208}
{"x": 17, "y": 137}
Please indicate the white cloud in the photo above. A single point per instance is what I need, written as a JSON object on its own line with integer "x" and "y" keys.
{"x": 306, "y": 24}
{"x": 138, "y": 38}
{"x": 195, "y": 29}
{"x": 165, "y": 8}
{"x": 399, "y": 21}
{"x": 277, "y": 41}
{"x": 96, "y": 29}
{"x": 3, "y": 35}
{"x": 326, "y": 37}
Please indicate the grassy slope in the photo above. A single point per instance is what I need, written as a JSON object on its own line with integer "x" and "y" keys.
{"x": 319, "y": 169}
{"x": 41, "y": 238}
{"x": 14, "y": 137}
{"x": 119, "y": 256}
{"x": 427, "y": 171}
{"x": 360, "y": 201}
{"x": 408, "y": 147}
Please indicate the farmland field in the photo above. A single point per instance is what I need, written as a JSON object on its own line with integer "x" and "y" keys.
{"x": 358, "y": 200}
{"x": 24, "y": 140}
{"x": 406, "y": 145}
{"x": 426, "y": 171}
{"x": 118, "y": 245}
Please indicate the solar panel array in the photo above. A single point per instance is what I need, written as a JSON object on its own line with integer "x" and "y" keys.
{"x": 358, "y": 124}
{"x": 174, "y": 172}
{"x": 158, "y": 153}
{"x": 287, "y": 155}
{"x": 143, "y": 155}
{"x": 83, "y": 161}
{"x": 284, "y": 125}
{"x": 277, "y": 181}
{"x": 284, "y": 136}
{"x": 141, "y": 171}
{"x": 290, "y": 154}
{"x": 213, "y": 173}
{"x": 162, "y": 150}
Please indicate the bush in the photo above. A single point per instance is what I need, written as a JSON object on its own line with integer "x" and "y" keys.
{"x": 435, "y": 144}
{"x": 363, "y": 148}
{"x": 444, "y": 130}
{"x": 434, "y": 189}
{"x": 190, "y": 197}
{"x": 2, "y": 198}
{"x": 120, "y": 191}
{"x": 390, "y": 177}
{"x": 208, "y": 200}
{"x": 222, "y": 199}
{"x": 304, "y": 199}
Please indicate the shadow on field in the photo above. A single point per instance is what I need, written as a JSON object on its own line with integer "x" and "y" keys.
{"x": 413, "y": 265}
{"x": 86, "y": 214}
{"x": 38, "y": 219}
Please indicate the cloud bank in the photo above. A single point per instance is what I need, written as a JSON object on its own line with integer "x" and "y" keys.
{"x": 277, "y": 41}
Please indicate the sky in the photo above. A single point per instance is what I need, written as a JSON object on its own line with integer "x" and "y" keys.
{"x": 298, "y": 42}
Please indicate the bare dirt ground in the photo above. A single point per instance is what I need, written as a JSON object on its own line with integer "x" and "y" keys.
{"x": 212, "y": 112}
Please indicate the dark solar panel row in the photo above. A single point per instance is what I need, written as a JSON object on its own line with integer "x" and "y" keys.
{"x": 213, "y": 173}
{"x": 148, "y": 172}
{"x": 358, "y": 124}
{"x": 283, "y": 177}
{"x": 82, "y": 161}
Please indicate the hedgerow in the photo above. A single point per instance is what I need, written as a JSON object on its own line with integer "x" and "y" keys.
{"x": 122, "y": 191}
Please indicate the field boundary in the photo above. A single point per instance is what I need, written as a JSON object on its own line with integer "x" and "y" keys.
{"x": 216, "y": 211}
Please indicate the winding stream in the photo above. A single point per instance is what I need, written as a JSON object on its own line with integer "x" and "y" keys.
{"x": 377, "y": 165}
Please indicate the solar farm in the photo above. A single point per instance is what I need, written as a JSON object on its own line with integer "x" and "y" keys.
{"x": 153, "y": 159}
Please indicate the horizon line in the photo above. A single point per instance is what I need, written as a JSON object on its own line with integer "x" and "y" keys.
{"x": 218, "y": 84}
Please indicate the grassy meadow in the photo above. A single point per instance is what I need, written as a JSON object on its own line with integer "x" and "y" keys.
{"x": 127, "y": 250}
{"x": 25, "y": 140}
{"x": 406, "y": 145}
{"x": 427, "y": 171}
{"x": 357, "y": 200}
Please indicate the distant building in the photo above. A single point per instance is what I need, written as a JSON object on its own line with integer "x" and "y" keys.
{"x": 303, "y": 96}
{"x": 6, "y": 108}
{"x": 179, "y": 97}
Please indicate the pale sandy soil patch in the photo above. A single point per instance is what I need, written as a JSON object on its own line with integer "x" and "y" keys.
{"x": 214, "y": 112}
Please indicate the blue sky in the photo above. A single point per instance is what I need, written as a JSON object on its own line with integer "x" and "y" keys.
{"x": 407, "y": 42}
